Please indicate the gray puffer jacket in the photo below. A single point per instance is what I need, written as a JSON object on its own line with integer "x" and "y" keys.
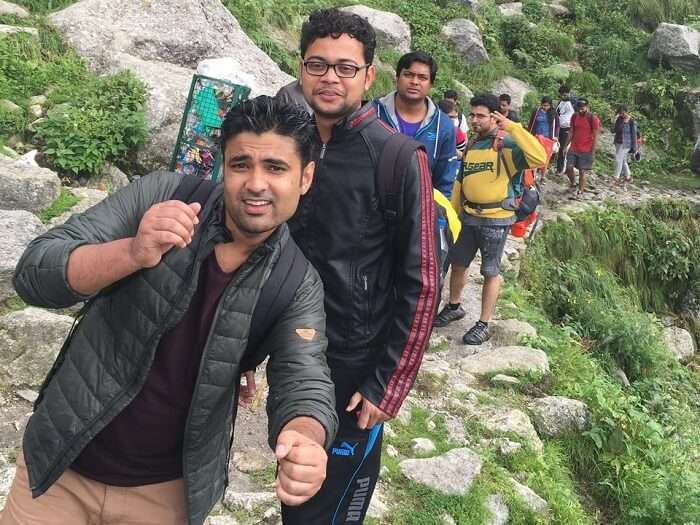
{"x": 111, "y": 351}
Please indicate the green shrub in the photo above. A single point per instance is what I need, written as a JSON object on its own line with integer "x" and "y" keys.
{"x": 101, "y": 120}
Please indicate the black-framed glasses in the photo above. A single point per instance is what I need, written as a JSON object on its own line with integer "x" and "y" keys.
{"x": 318, "y": 68}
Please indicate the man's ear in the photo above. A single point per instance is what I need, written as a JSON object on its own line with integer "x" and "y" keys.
{"x": 369, "y": 77}
{"x": 307, "y": 176}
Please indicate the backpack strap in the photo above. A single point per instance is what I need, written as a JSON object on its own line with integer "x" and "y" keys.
{"x": 393, "y": 164}
{"x": 193, "y": 189}
{"x": 275, "y": 296}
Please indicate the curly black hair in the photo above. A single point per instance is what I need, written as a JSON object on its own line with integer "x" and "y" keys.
{"x": 334, "y": 22}
{"x": 262, "y": 114}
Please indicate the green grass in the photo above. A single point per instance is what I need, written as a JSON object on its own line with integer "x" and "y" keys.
{"x": 11, "y": 304}
{"x": 65, "y": 201}
{"x": 44, "y": 6}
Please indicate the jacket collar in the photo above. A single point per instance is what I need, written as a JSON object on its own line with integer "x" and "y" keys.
{"x": 389, "y": 103}
{"x": 354, "y": 122}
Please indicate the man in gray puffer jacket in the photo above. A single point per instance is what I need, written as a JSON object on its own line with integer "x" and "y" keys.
{"x": 134, "y": 422}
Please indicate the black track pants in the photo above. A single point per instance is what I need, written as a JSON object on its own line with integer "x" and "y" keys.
{"x": 353, "y": 466}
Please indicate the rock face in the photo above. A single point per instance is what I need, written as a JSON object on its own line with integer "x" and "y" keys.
{"x": 507, "y": 420}
{"x": 506, "y": 332}
{"x": 529, "y": 497}
{"x": 554, "y": 416}
{"x": 679, "y": 342}
{"x": 7, "y": 8}
{"x": 392, "y": 31}
{"x": 498, "y": 509}
{"x": 466, "y": 37}
{"x": 517, "y": 89}
{"x": 452, "y": 473}
{"x": 27, "y": 187}
{"x": 676, "y": 44}
{"x": 139, "y": 36}
{"x": 29, "y": 342}
{"x": 18, "y": 228}
{"x": 505, "y": 358}
{"x": 511, "y": 9}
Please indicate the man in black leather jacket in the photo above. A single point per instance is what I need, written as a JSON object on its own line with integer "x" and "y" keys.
{"x": 133, "y": 424}
{"x": 381, "y": 288}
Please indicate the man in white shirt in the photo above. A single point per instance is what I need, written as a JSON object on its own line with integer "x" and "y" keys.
{"x": 565, "y": 110}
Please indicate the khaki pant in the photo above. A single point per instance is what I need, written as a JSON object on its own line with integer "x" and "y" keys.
{"x": 76, "y": 500}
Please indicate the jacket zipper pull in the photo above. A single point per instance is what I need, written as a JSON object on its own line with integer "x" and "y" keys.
{"x": 364, "y": 282}
{"x": 323, "y": 151}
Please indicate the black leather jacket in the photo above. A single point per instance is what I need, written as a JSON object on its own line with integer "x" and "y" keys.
{"x": 113, "y": 347}
{"x": 381, "y": 293}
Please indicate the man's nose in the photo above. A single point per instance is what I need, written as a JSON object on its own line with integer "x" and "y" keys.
{"x": 257, "y": 181}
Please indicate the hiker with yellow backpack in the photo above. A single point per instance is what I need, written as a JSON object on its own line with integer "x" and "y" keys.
{"x": 487, "y": 194}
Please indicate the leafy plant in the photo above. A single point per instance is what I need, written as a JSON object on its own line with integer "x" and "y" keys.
{"x": 101, "y": 120}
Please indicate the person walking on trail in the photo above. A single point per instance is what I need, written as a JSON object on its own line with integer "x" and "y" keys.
{"x": 483, "y": 195}
{"x": 460, "y": 120}
{"x": 134, "y": 422}
{"x": 565, "y": 110}
{"x": 381, "y": 279}
{"x": 504, "y": 108}
{"x": 626, "y": 134}
{"x": 410, "y": 111}
{"x": 583, "y": 142}
{"x": 449, "y": 107}
{"x": 544, "y": 122}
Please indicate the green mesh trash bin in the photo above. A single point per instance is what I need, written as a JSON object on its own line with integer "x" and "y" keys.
{"x": 197, "y": 147}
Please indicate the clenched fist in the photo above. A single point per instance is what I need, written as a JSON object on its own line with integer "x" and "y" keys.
{"x": 164, "y": 225}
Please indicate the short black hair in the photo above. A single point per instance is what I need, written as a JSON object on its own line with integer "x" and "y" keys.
{"x": 450, "y": 93}
{"x": 546, "y": 99}
{"x": 581, "y": 102}
{"x": 621, "y": 109}
{"x": 564, "y": 89}
{"x": 262, "y": 114}
{"x": 406, "y": 61}
{"x": 334, "y": 23}
{"x": 487, "y": 100}
{"x": 505, "y": 97}
{"x": 447, "y": 105}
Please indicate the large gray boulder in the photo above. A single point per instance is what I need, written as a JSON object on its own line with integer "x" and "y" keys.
{"x": 466, "y": 37}
{"x": 17, "y": 228}
{"x": 29, "y": 188}
{"x": 29, "y": 342}
{"x": 554, "y": 415}
{"x": 392, "y": 31}
{"x": 8, "y": 8}
{"x": 139, "y": 36}
{"x": 505, "y": 359}
{"x": 676, "y": 44}
{"x": 679, "y": 342}
{"x": 517, "y": 89}
{"x": 452, "y": 473}
{"x": 529, "y": 497}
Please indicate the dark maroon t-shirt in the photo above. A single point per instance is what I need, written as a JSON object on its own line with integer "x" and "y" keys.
{"x": 143, "y": 444}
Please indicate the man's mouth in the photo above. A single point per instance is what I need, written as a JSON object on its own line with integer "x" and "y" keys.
{"x": 256, "y": 206}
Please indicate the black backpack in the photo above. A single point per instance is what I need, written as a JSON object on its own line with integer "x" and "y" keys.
{"x": 391, "y": 168}
{"x": 277, "y": 292}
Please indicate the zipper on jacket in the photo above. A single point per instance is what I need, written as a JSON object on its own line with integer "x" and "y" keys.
{"x": 365, "y": 286}
{"x": 185, "y": 471}
{"x": 323, "y": 151}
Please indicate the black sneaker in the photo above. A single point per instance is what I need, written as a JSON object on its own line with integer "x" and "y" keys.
{"x": 447, "y": 315}
{"x": 477, "y": 334}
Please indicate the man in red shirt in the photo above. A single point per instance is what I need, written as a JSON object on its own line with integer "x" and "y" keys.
{"x": 583, "y": 142}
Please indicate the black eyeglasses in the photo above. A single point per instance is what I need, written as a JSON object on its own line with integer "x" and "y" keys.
{"x": 318, "y": 69}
